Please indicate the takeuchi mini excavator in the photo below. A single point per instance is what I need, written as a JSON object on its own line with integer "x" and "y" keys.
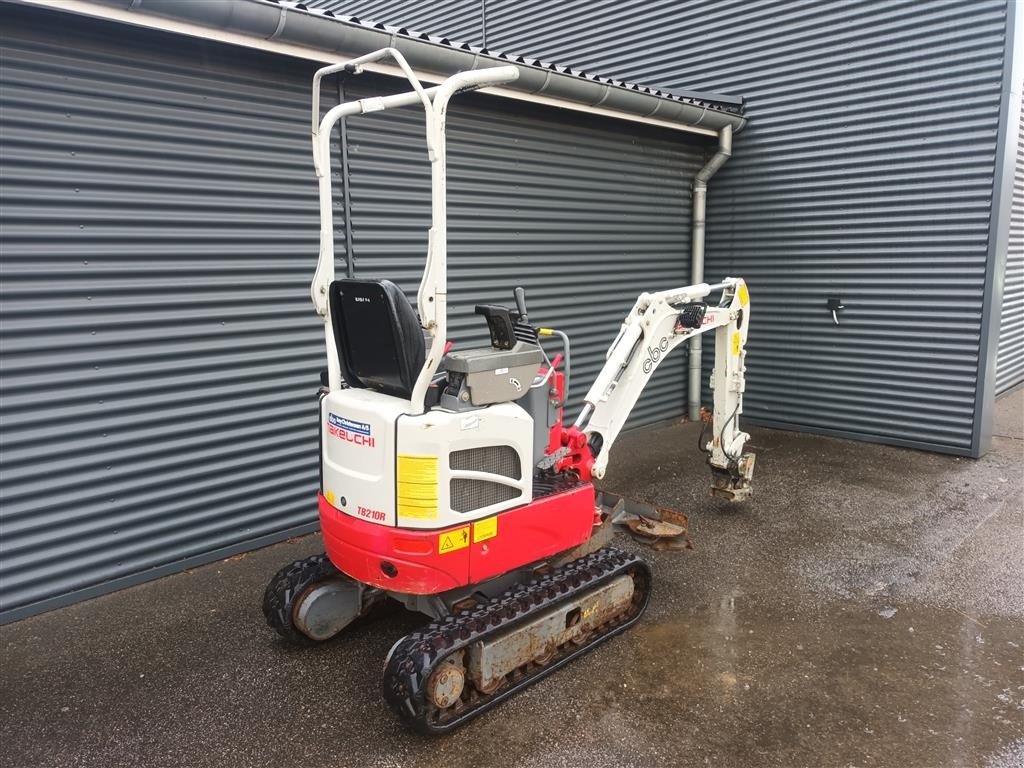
{"x": 450, "y": 481}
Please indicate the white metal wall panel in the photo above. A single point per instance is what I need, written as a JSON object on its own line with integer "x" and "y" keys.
{"x": 866, "y": 172}
{"x": 160, "y": 353}
{"x": 1010, "y": 358}
{"x": 584, "y": 214}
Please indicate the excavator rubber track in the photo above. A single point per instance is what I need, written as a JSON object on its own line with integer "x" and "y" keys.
{"x": 431, "y": 660}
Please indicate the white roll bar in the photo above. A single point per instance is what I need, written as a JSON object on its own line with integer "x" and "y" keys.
{"x": 433, "y": 290}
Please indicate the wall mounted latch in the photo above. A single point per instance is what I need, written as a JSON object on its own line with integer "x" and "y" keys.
{"x": 834, "y": 305}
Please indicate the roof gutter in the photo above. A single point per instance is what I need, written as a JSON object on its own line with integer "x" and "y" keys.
{"x": 291, "y": 30}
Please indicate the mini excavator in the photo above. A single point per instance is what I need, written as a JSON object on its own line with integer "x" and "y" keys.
{"x": 448, "y": 479}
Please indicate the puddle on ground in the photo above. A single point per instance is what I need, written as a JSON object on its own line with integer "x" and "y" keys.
{"x": 946, "y": 686}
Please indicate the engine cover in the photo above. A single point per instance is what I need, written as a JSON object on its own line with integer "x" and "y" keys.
{"x": 431, "y": 470}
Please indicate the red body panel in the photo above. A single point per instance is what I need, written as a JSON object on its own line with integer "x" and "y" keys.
{"x": 543, "y": 528}
{"x": 419, "y": 562}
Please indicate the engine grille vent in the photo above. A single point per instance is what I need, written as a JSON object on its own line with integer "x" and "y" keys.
{"x": 469, "y": 495}
{"x": 494, "y": 459}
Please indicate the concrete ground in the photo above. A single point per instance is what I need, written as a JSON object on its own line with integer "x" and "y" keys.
{"x": 866, "y": 609}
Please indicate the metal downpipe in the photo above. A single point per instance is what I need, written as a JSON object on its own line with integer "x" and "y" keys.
{"x": 698, "y": 225}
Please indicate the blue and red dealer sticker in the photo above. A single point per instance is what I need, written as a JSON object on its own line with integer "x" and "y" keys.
{"x": 357, "y": 432}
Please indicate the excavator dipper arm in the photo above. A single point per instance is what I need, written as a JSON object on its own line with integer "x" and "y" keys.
{"x": 657, "y": 324}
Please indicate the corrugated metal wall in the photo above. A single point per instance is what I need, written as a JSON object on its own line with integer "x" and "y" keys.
{"x": 460, "y": 20}
{"x": 1010, "y": 358}
{"x": 866, "y": 173}
{"x": 882, "y": 199}
{"x": 160, "y": 360}
{"x": 160, "y": 229}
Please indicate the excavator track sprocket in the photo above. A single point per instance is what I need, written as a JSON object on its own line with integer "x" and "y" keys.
{"x": 441, "y": 676}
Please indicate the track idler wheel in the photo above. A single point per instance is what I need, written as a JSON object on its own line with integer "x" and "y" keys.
{"x": 311, "y": 601}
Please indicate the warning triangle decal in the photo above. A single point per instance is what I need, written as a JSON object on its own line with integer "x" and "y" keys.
{"x": 453, "y": 541}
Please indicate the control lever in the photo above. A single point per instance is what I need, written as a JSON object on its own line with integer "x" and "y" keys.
{"x": 520, "y": 294}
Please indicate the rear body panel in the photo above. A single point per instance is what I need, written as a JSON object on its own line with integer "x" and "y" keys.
{"x": 426, "y": 562}
{"x": 432, "y": 470}
{"x": 358, "y": 452}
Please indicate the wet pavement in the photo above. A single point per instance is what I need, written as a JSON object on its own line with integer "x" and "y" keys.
{"x": 865, "y": 609}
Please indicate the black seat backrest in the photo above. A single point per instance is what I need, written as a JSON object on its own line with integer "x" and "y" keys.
{"x": 380, "y": 341}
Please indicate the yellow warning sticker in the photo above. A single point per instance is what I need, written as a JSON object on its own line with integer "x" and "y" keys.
{"x": 485, "y": 529}
{"x": 736, "y": 341}
{"x": 451, "y": 541}
{"x": 417, "y": 508}
{"x": 329, "y": 495}
{"x": 417, "y": 469}
{"x": 744, "y": 295}
{"x": 417, "y": 487}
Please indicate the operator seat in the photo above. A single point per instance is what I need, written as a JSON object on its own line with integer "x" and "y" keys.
{"x": 380, "y": 341}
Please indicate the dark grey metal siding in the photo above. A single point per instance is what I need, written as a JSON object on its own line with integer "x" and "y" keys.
{"x": 866, "y": 172}
{"x": 159, "y": 221}
{"x": 1010, "y": 358}
{"x": 160, "y": 358}
{"x": 460, "y": 20}
{"x": 584, "y": 214}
